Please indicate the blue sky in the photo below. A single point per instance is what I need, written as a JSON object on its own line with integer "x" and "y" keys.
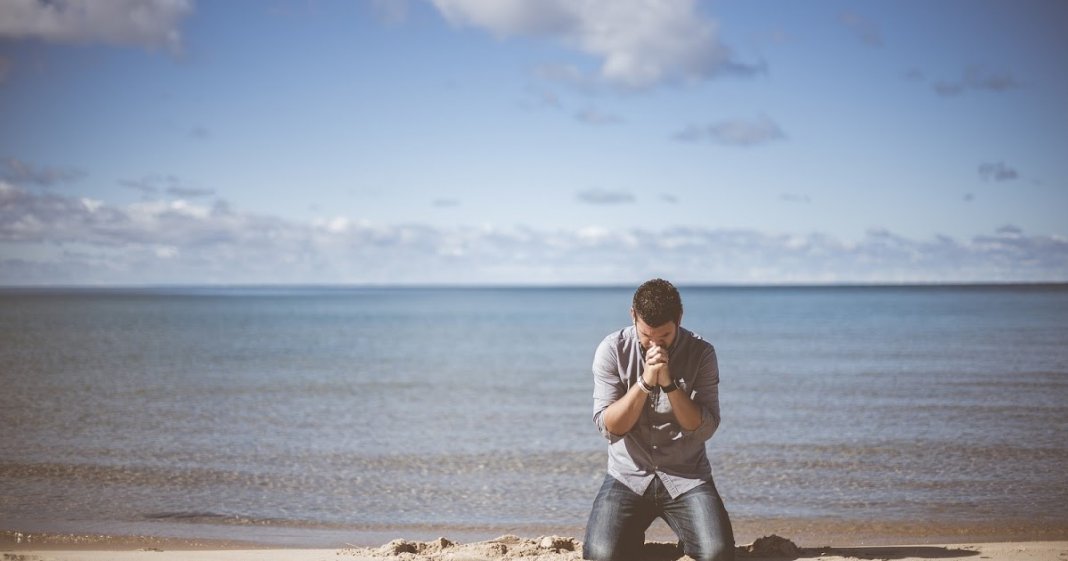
{"x": 532, "y": 142}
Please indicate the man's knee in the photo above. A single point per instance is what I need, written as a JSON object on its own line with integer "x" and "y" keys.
{"x": 595, "y": 550}
{"x": 606, "y": 548}
{"x": 602, "y": 539}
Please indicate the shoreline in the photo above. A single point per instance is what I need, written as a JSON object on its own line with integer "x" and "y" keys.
{"x": 806, "y": 533}
{"x": 542, "y": 548}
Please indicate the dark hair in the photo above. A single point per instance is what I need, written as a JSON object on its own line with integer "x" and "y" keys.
{"x": 657, "y": 302}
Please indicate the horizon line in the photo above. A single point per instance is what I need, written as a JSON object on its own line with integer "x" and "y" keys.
{"x": 518, "y": 286}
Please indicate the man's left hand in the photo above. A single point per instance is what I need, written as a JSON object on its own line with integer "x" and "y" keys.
{"x": 656, "y": 360}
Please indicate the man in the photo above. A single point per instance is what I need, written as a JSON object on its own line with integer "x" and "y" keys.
{"x": 656, "y": 400}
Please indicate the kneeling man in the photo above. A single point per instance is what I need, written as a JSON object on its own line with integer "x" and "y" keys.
{"x": 656, "y": 400}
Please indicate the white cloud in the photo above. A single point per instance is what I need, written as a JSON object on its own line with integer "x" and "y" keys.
{"x": 591, "y": 116}
{"x": 151, "y": 185}
{"x": 512, "y": 17}
{"x": 26, "y": 173}
{"x": 605, "y": 197}
{"x": 638, "y": 43}
{"x": 997, "y": 171}
{"x": 336, "y": 225}
{"x": 51, "y": 239}
{"x": 199, "y": 132}
{"x": 795, "y": 198}
{"x": 91, "y": 204}
{"x": 148, "y": 23}
{"x": 737, "y": 132}
{"x": 391, "y": 11}
{"x": 540, "y": 98}
{"x": 976, "y": 78}
{"x": 867, "y": 31}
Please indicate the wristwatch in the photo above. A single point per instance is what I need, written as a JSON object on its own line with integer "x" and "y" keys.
{"x": 671, "y": 388}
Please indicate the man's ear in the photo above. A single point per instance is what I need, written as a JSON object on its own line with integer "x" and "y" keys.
{"x": 633, "y": 316}
{"x": 679, "y": 322}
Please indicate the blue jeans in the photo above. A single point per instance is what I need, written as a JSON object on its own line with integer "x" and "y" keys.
{"x": 620, "y": 517}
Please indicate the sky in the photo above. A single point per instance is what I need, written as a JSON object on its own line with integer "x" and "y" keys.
{"x": 538, "y": 142}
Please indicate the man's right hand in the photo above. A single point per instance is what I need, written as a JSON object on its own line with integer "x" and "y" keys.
{"x": 656, "y": 367}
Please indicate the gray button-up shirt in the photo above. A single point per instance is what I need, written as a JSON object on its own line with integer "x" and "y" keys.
{"x": 657, "y": 445}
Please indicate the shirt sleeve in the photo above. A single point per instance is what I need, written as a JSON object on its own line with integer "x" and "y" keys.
{"x": 607, "y": 386}
{"x": 705, "y": 393}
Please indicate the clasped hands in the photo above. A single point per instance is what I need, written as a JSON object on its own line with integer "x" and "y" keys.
{"x": 657, "y": 372}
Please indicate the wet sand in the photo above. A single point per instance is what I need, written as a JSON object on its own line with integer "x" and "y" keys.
{"x": 15, "y": 547}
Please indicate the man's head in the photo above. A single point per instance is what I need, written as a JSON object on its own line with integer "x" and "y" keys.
{"x": 657, "y": 312}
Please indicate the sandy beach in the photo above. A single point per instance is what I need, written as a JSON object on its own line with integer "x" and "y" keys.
{"x": 513, "y": 548}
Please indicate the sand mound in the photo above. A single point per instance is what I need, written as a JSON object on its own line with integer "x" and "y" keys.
{"x": 770, "y": 546}
{"x": 545, "y": 548}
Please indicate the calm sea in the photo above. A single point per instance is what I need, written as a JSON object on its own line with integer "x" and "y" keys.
{"x": 306, "y": 415}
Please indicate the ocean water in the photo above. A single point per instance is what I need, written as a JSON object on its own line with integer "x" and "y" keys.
{"x": 306, "y": 415}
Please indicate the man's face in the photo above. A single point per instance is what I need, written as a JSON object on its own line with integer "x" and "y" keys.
{"x": 660, "y": 335}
